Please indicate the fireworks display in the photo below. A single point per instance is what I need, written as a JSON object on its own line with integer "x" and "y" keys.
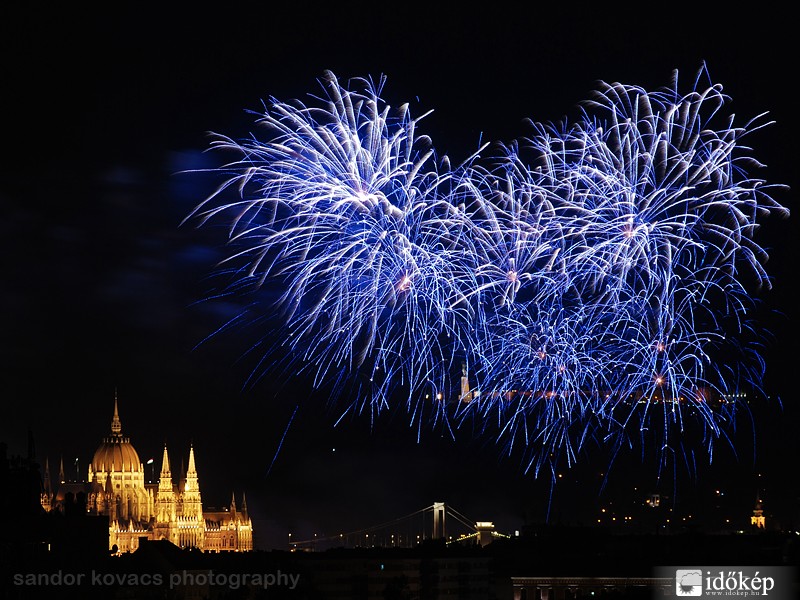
{"x": 590, "y": 281}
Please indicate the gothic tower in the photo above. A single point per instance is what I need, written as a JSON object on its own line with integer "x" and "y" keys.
{"x": 165, "y": 505}
{"x": 192, "y": 522}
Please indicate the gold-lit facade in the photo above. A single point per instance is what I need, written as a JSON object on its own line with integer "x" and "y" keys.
{"x": 136, "y": 509}
{"x": 758, "y": 519}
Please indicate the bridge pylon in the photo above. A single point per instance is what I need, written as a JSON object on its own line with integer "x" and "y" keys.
{"x": 439, "y": 530}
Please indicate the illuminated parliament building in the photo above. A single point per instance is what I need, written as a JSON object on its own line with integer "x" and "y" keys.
{"x": 166, "y": 510}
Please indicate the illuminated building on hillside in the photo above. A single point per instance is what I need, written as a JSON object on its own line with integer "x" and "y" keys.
{"x": 758, "y": 519}
{"x": 116, "y": 487}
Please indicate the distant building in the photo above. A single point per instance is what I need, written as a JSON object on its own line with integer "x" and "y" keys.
{"x": 116, "y": 488}
{"x": 758, "y": 520}
{"x": 467, "y": 395}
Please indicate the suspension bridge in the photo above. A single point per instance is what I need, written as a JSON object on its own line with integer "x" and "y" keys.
{"x": 439, "y": 521}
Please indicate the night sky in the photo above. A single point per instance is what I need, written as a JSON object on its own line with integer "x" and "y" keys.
{"x": 101, "y": 280}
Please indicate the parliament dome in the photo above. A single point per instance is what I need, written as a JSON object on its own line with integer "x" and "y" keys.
{"x": 116, "y": 451}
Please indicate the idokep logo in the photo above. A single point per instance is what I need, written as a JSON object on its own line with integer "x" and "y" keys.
{"x": 689, "y": 582}
{"x": 772, "y": 583}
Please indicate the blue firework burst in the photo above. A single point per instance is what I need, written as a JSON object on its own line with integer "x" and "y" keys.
{"x": 588, "y": 275}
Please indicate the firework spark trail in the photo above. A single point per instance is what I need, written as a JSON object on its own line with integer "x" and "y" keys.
{"x": 587, "y": 273}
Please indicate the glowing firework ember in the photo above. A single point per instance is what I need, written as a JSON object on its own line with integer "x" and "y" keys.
{"x": 589, "y": 275}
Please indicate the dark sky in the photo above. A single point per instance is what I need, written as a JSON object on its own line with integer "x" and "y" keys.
{"x": 100, "y": 279}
